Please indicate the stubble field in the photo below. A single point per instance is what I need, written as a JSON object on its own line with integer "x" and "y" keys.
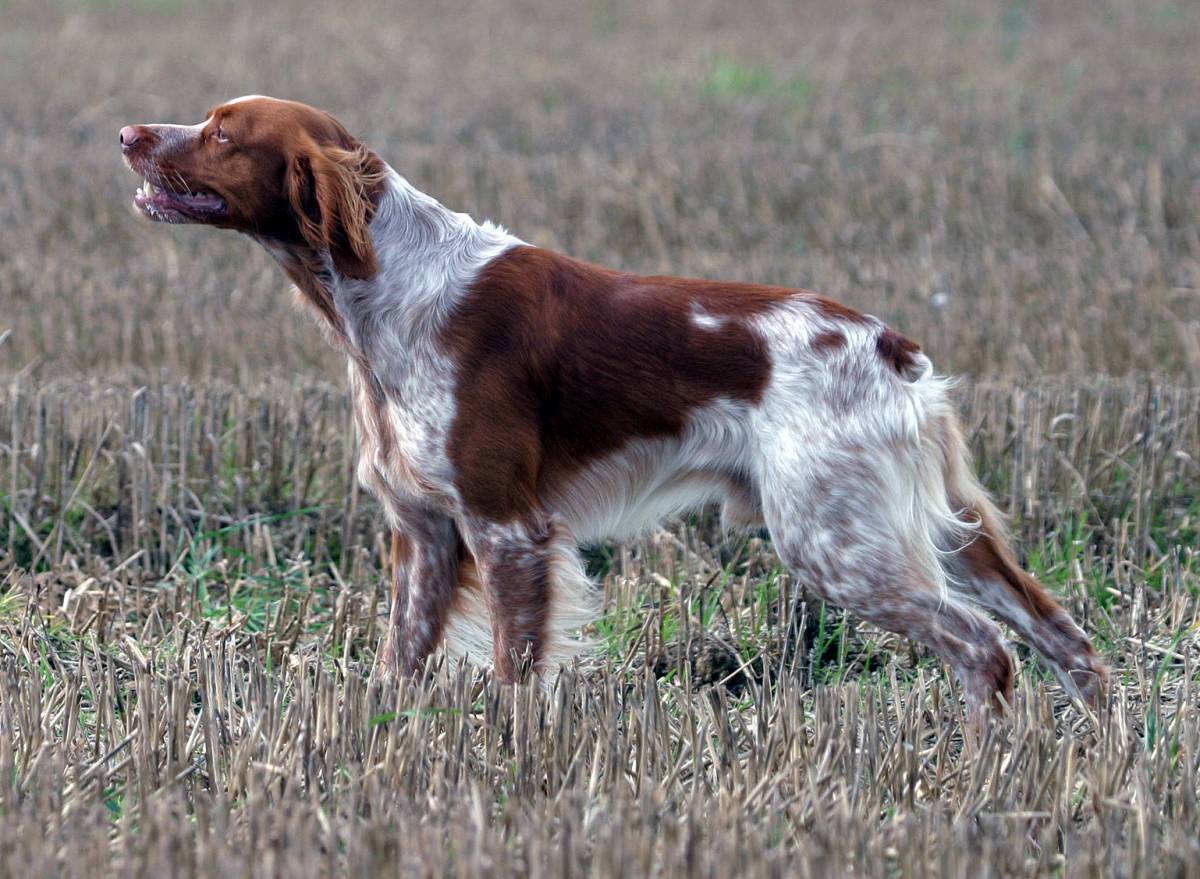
{"x": 191, "y": 585}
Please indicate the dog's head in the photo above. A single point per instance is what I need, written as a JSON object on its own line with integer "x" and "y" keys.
{"x": 279, "y": 170}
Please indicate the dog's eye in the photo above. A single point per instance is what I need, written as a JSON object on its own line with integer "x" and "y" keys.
{"x": 219, "y": 135}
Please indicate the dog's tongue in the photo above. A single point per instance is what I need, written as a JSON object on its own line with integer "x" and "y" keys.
{"x": 148, "y": 193}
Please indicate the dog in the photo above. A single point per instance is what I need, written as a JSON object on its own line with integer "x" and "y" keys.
{"x": 512, "y": 403}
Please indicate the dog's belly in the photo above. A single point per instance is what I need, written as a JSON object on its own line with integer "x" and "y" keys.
{"x": 624, "y": 495}
{"x": 627, "y": 513}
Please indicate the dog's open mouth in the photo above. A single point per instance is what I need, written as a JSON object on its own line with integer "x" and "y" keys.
{"x": 178, "y": 207}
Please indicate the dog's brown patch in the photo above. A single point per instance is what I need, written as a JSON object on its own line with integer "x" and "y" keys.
{"x": 561, "y": 362}
{"x": 829, "y": 341}
{"x": 897, "y": 350}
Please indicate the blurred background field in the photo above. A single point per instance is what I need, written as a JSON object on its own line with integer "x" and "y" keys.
{"x": 190, "y": 582}
{"x": 1014, "y": 184}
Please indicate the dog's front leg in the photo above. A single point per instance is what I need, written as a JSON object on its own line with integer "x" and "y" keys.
{"x": 516, "y": 568}
{"x": 426, "y": 549}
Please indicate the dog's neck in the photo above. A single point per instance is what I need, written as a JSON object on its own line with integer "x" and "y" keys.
{"x": 428, "y": 256}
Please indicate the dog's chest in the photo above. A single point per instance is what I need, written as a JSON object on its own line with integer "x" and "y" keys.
{"x": 402, "y": 422}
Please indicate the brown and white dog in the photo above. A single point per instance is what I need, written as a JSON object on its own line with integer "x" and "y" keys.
{"x": 512, "y": 402}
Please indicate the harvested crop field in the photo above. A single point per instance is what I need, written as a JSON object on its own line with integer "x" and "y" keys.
{"x": 192, "y": 586}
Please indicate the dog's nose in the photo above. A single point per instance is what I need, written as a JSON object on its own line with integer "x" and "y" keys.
{"x": 129, "y": 137}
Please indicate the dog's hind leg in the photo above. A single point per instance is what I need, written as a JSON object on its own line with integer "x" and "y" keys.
{"x": 986, "y": 571}
{"x": 981, "y": 566}
{"x": 840, "y": 524}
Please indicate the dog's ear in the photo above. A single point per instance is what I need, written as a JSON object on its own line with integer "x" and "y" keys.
{"x": 330, "y": 191}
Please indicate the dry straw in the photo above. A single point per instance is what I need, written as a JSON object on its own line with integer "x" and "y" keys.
{"x": 186, "y": 680}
